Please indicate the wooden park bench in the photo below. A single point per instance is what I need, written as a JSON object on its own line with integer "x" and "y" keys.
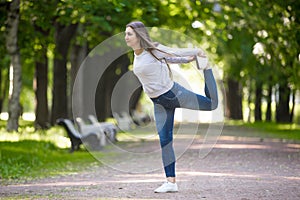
{"x": 109, "y": 129}
{"x": 86, "y": 128}
{"x": 124, "y": 121}
{"x": 90, "y": 139}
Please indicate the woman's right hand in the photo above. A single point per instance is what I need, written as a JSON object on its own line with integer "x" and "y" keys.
{"x": 201, "y": 54}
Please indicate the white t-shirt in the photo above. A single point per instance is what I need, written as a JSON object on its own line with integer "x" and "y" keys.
{"x": 154, "y": 74}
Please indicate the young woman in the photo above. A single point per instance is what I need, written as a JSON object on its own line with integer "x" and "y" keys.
{"x": 151, "y": 67}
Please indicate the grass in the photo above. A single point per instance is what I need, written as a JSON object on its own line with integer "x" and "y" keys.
{"x": 31, "y": 154}
{"x": 30, "y": 159}
{"x": 281, "y": 131}
{"x": 270, "y": 129}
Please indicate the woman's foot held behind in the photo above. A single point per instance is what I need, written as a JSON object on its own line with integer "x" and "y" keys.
{"x": 202, "y": 63}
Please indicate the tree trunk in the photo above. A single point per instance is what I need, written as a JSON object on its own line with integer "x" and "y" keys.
{"x": 78, "y": 54}
{"x": 258, "y": 98}
{"x": 63, "y": 38}
{"x": 41, "y": 82}
{"x": 269, "y": 105}
{"x": 106, "y": 87}
{"x": 293, "y": 105}
{"x": 2, "y": 94}
{"x": 14, "y": 107}
{"x": 234, "y": 100}
{"x": 95, "y": 85}
{"x": 249, "y": 101}
{"x": 4, "y": 84}
{"x": 282, "y": 108}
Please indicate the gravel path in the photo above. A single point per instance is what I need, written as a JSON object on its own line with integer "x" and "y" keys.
{"x": 237, "y": 168}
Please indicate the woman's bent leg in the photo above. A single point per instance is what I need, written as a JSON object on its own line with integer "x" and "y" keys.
{"x": 190, "y": 100}
{"x": 211, "y": 90}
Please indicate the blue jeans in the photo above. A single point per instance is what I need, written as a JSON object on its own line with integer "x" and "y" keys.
{"x": 164, "y": 110}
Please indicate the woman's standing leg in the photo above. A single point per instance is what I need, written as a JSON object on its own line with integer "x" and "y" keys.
{"x": 164, "y": 110}
{"x": 164, "y": 119}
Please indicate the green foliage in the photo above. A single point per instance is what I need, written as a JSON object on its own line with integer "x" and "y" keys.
{"x": 229, "y": 30}
{"x": 274, "y": 26}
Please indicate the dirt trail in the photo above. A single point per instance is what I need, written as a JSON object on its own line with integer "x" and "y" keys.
{"x": 237, "y": 168}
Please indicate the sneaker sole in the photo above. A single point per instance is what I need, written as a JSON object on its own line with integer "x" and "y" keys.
{"x": 167, "y": 192}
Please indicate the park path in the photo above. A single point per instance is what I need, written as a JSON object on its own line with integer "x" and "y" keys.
{"x": 237, "y": 168}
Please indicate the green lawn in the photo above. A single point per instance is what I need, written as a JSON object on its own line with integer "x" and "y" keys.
{"x": 269, "y": 129}
{"x": 33, "y": 154}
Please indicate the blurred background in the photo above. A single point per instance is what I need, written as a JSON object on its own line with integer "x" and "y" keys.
{"x": 254, "y": 44}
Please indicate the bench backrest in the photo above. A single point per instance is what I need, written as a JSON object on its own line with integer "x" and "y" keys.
{"x": 71, "y": 128}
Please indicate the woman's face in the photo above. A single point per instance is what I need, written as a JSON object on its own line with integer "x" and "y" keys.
{"x": 131, "y": 39}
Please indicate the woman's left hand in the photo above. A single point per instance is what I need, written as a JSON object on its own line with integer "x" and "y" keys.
{"x": 191, "y": 58}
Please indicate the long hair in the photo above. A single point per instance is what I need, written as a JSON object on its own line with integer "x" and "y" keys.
{"x": 142, "y": 33}
{"x": 145, "y": 40}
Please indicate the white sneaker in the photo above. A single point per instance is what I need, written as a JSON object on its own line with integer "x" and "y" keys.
{"x": 167, "y": 187}
{"x": 202, "y": 63}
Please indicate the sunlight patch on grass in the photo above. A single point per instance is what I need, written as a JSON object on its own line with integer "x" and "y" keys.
{"x": 55, "y": 135}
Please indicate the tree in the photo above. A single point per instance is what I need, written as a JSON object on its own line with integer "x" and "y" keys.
{"x": 276, "y": 35}
{"x": 5, "y": 59}
{"x": 110, "y": 19}
{"x": 63, "y": 36}
{"x": 229, "y": 30}
{"x": 37, "y": 28}
{"x": 13, "y": 50}
{"x": 41, "y": 86}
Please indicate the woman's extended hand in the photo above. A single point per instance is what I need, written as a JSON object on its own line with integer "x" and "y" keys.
{"x": 191, "y": 58}
{"x": 201, "y": 54}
